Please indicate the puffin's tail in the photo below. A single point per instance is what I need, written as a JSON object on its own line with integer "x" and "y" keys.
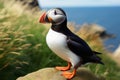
{"x": 96, "y": 52}
{"x": 96, "y": 59}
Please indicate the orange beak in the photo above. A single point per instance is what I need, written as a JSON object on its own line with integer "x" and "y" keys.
{"x": 42, "y": 18}
{"x": 45, "y": 19}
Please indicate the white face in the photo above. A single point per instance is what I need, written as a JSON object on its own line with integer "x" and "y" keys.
{"x": 56, "y": 15}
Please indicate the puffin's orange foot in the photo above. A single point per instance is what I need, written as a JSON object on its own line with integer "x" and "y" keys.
{"x": 69, "y": 75}
{"x": 64, "y": 68}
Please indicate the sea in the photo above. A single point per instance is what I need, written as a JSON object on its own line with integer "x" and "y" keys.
{"x": 107, "y": 17}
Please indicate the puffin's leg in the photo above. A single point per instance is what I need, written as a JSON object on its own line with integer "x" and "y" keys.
{"x": 64, "y": 68}
{"x": 70, "y": 75}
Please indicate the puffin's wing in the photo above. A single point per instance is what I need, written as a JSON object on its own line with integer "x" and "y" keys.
{"x": 80, "y": 48}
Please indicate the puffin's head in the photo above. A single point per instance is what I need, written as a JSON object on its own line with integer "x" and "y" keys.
{"x": 55, "y": 16}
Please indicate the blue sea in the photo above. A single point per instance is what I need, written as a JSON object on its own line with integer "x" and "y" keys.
{"x": 108, "y": 17}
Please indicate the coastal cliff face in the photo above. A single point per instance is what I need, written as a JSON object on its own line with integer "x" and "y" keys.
{"x": 30, "y": 3}
{"x": 116, "y": 55}
{"x": 117, "y": 52}
{"x": 53, "y": 74}
{"x": 22, "y": 6}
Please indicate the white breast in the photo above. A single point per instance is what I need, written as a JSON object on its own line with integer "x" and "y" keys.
{"x": 57, "y": 43}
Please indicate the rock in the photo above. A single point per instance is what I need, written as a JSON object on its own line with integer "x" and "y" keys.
{"x": 117, "y": 52}
{"x": 53, "y": 74}
{"x": 116, "y": 55}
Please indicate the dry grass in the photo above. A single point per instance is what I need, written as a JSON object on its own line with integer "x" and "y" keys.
{"x": 22, "y": 43}
{"x": 12, "y": 39}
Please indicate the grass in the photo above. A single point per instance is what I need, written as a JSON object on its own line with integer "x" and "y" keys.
{"x": 23, "y": 48}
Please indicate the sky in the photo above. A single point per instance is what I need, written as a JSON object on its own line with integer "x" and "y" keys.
{"x": 77, "y": 3}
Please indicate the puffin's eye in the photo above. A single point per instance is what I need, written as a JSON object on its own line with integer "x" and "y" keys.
{"x": 55, "y": 12}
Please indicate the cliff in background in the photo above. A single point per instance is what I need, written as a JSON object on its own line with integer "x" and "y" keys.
{"x": 22, "y": 6}
{"x": 30, "y": 3}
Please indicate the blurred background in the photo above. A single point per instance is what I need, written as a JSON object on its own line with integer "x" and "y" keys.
{"x": 23, "y": 46}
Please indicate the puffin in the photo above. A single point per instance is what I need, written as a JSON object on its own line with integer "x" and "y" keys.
{"x": 67, "y": 45}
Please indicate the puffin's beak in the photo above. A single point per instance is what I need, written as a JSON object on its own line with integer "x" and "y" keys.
{"x": 42, "y": 18}
{"x": 45, "y": 19}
